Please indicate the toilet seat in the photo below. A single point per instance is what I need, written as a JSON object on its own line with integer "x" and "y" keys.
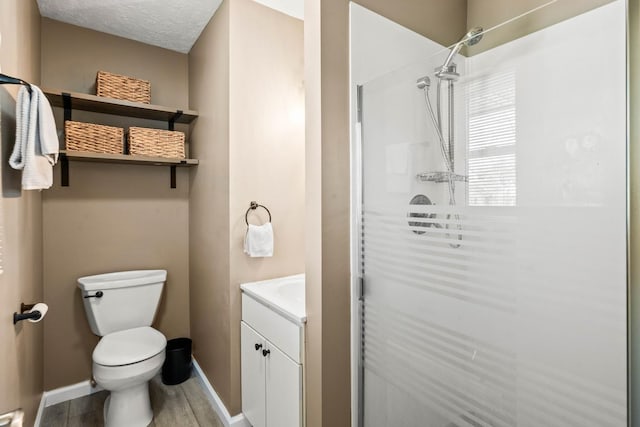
{"x": 129, "y": 346}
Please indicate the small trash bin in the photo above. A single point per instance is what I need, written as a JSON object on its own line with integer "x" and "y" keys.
{"x": 177, "y": 365}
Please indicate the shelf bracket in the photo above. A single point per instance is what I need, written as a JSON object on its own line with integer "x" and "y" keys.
{"x": 66, "y": 103}
{"x": 64, "y": 170}
{"x": 173, "y": 177}
{"x": 172, "y": 120}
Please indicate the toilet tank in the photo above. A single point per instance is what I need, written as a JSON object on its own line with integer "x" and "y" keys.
{"x": 123, "y": 300}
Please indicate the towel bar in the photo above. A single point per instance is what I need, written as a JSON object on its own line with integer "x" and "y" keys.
{"x": 5, "y": 79}
{"x": 254, "y": 206}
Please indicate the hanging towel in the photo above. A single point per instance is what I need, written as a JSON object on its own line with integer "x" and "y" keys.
{"x": 258, "y": 241}
{"x": 36, "y": 148}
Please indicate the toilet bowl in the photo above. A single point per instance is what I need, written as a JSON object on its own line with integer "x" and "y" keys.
{"x": 123, "y": 363}
{"x": 120, "y": 308}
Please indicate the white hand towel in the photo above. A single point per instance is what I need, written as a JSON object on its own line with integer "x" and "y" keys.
{"x": 258, "y": 241}
{"x": 36, "y": 148}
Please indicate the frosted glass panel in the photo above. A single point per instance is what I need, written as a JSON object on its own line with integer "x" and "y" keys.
{"x": 495, "y": 285}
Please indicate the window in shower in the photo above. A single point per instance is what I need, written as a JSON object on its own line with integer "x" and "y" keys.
{"x": 491, "y": 167}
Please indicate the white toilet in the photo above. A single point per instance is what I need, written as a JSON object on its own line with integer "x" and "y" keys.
{"x": 120, "y": 308}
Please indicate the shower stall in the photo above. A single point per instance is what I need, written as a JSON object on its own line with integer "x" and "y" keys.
{"x": 490, "y": 223}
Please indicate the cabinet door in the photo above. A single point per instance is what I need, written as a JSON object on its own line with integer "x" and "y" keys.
{"x": 284, "y": 390}
{"x": 252, "y": 372}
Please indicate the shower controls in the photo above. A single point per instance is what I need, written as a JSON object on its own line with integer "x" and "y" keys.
{"x": 258, "y": 346}
{"x": 265, "y": 353}
{"x": 420, "y": 199}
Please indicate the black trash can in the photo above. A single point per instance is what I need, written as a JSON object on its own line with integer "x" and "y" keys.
{"x": 177, "y": 365}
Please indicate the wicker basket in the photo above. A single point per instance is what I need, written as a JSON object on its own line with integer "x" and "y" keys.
{"x": 156, "y": 143}
{"x": 93, "y": 138}
{"x": 122, "y": 87}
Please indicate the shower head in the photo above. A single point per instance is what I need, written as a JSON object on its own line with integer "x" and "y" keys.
{"x": 472, "y": 38}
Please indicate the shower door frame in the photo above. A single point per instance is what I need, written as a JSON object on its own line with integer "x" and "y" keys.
{"x": 357, "y": 199}
{"x": 357, "y": 283}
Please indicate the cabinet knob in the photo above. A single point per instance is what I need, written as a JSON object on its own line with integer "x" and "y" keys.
{"x": 265, "y": 353}
{"x": 258, "y": 346}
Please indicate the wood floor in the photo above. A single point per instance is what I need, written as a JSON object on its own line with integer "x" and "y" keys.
{"x": 178, "y": 405}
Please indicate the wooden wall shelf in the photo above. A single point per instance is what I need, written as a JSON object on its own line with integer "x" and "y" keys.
{"x": 99, "y": 104}
{"x": 81, "y": 101}
{"x": 125, "y": 159}
{"x": 81, "y": 156}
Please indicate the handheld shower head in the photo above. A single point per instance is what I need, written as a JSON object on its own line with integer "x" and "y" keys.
{"x": 472, "y": 38}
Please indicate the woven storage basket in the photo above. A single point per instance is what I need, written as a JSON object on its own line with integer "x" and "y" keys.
{"x": 93, "y": 138}
{"x": 156, "y": 143}
{"x": 117, "y": 86}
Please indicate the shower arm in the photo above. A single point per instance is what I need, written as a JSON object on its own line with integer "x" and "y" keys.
{"x": 454, "y": 51}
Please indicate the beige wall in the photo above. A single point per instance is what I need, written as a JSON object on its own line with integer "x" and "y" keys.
{"x": 327, "y": 186}
{"x": 258, "y": 138}
{"x": 111, "y": 217}
{"x": 20, "y": 222}
{"x": 266, "y": 149}
{"x": 209, "y": 204}
{"x": 71, "y": 56}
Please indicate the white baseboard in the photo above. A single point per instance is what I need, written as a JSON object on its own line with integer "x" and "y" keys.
{"x": 69, "y": 392}
{"x": 40, "y": 411}
{"x": 62, "y": 394}
{"x": 226, "y": 418}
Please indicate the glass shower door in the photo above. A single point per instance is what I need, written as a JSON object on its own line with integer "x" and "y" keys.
{"x": 495, "y": 286}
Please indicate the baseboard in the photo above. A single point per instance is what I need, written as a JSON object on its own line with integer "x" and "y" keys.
{"x": 40, "y": 411}
{"x": 62, "y": 394}
{"x": 218, "y": 406}
{"x": 69, "y": 392}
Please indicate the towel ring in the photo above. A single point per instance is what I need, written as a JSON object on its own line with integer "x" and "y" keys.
{"x": 254, "y": 206}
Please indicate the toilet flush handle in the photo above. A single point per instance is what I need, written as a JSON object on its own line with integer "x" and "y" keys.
{"x": 96, "y": 295}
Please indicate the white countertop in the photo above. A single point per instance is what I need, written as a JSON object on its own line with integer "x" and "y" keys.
{"x": 285, "y": 295}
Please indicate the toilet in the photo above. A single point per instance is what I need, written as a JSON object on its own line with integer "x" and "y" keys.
{"x": 120, "y": 308}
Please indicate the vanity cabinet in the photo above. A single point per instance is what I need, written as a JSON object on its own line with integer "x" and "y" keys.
{"x": 271, "y": 370}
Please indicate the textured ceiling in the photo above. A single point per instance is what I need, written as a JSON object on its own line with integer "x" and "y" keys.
{"x": 174, "y": 25}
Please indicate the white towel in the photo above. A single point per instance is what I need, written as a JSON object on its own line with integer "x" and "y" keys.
{"x": 36, "y": 148}
{"x": 258, "y": 241}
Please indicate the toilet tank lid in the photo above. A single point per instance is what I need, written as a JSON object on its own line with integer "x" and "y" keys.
{"x": 121, "y": 279}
